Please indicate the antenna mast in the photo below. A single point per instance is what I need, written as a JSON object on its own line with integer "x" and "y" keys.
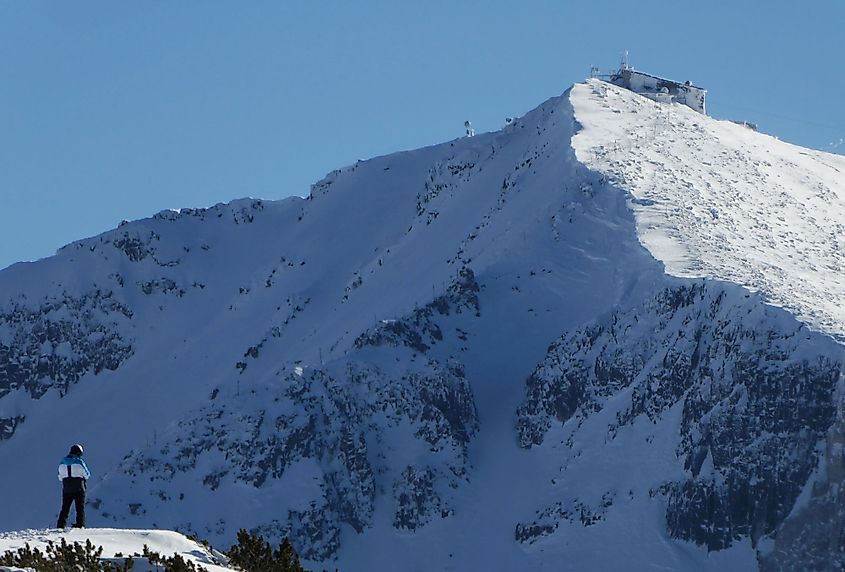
{"x": 625, "y": 65}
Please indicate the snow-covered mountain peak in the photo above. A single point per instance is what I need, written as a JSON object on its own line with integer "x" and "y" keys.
{"x": 499, "y": 352}
{"x": 718, "y": 200}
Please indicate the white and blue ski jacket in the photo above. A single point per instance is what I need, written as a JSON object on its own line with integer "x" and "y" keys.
{"x": 71, "y": 467}
{"x": 73, "y": 472}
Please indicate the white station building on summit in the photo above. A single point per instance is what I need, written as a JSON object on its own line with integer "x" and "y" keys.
{"x": 656, "y": 88}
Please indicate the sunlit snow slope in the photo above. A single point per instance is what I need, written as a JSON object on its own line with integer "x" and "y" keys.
{"x": 588, "y": 338}
{"x": 715, "y": 199}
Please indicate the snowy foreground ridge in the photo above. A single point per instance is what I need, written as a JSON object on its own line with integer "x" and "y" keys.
{"x": 607, "y": 337}
{"x": 118, "y": 544}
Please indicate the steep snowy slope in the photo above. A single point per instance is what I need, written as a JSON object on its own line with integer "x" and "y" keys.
{"x": 716, "y": 199}
{"x": 502, "y": 352}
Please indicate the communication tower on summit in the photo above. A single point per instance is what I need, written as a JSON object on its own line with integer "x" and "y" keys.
{"x": 624, "y": 65}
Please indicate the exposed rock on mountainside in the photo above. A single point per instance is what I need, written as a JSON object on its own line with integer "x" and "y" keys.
{"x": 756, "y": 391}
{"x": 52, "y": 345}
{"x": 335, "y": 424}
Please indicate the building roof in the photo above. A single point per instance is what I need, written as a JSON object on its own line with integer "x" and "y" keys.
{"x": 632, "y": 70}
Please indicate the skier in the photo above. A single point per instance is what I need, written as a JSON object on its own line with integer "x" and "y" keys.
{"x": 74, "y": 474}
{"x": 470, "y": 131}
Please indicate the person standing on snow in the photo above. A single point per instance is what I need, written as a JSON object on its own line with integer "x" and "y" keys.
{"x": 74, "y": 474}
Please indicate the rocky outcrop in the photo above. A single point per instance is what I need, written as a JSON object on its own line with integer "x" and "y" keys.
{"x": 757, "y": 392}
{"x": 420, "y": 330}
{"x": 50, "y": 346}
{"x": 573, "y": 510}
{"x": 343, "y": 420}
{"x": 813, "y": 535}
{"x": 9, "y": 424}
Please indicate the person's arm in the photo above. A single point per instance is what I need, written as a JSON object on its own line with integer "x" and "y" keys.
{"x": 62, "y": 471}
{"x": 85, "y": 468}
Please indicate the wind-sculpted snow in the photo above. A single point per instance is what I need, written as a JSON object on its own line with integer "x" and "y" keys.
{"x": 715, "y": 199}
{"x": 358, "y": 430}
{"x": 756, "y": 391}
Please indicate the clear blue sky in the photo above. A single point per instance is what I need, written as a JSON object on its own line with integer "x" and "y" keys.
{"x": 116, "y": 110}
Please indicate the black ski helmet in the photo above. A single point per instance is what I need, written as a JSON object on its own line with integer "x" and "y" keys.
{"x": 76, "y": 450}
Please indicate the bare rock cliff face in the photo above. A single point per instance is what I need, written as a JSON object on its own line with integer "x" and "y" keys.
{"x": 757, "y": 396}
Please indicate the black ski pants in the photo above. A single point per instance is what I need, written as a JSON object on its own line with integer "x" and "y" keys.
{"x": 77, "y": 498}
